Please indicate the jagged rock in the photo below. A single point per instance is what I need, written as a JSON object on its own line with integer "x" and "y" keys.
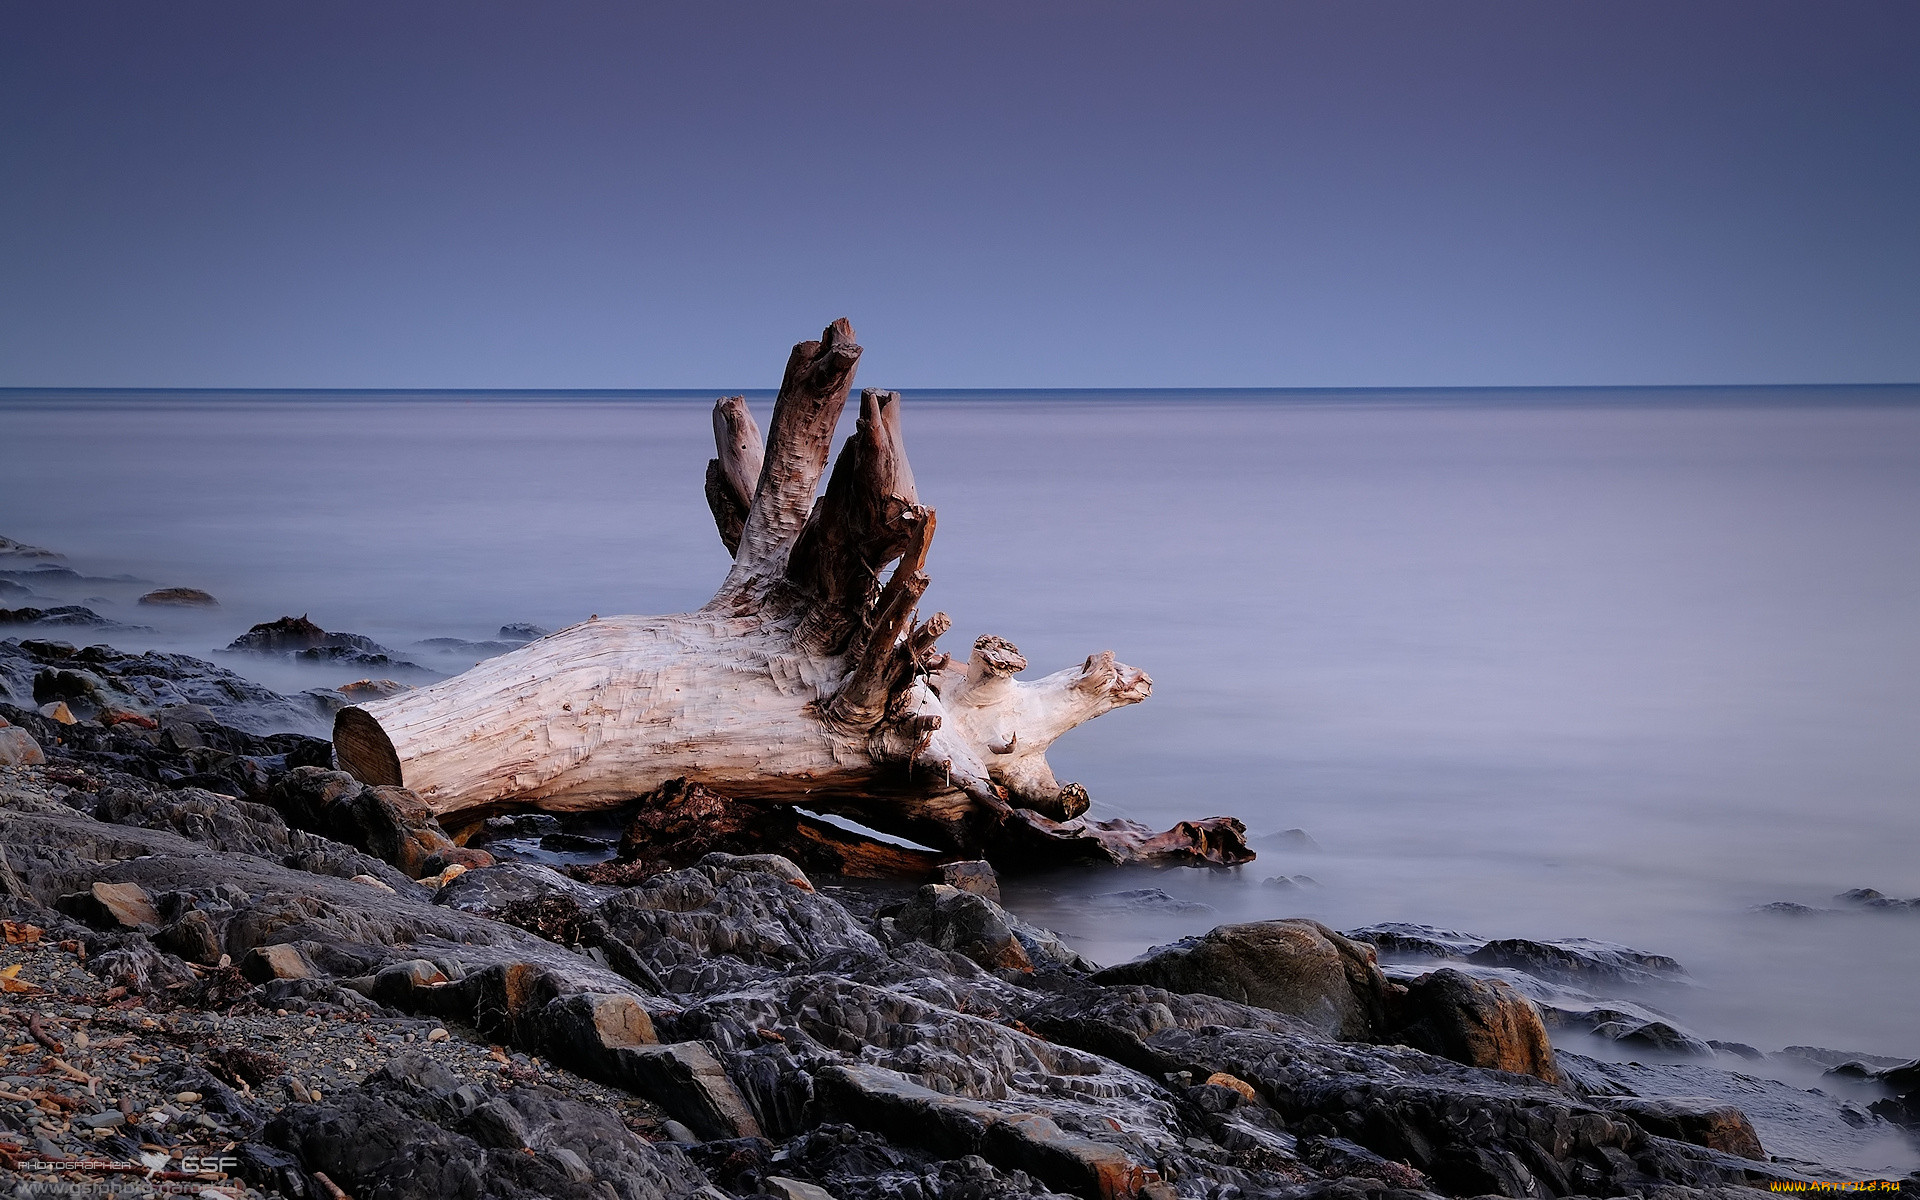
{"x": 389, "y": 823}
{"x": 1654, "y": 1035}
{"x": 112, "y": 905}
{"x": 415, "y": 1132}
{"x": 179, "y": 597}
{"x": 59, "y": 712}
{"x": 882, "y": 1100}
{"x": 18, "y": 747}
{"x": 1403, "y": 940}
{"x": 589, "y": 1026}
{"x": 965, "y": 923}
{"x": 686, "y": 1080}
{"x": 1297, "y": 967}
{"x": 1578, "y": 961}
{"x": 193, "y": 938}
{"x": 1700, "y": 1120}
{"x": 96, "y": 678}
{"x": 20, "y": 551}
{"x": 976, "y": 876}
{"x": 1479, "y": 1022}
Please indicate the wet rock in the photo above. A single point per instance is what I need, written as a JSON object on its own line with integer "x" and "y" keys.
{"x": 95, "y": 678}
{"x": 298, "y": 633}
{"x": 18, "y": 747}
{"x": 1479, "y": 1022}
{"x": 522, "y": 631}
{"x": 1702, "y": 1121}
{"x": 965, "y": 923}
{"x": 1579, "y": 961}
{"x": 1868, "y": 898}
{"x": 12, "y": 551}
{"x": 179, "y": 597}
{"x": 390, "y": 823}
{"x": 112, "y": 905}
{"x": 58, "y": 711}
{"x": 1903, "y": 1108}
{"x": 1403, "y": 940}
{"x": 1297, "y": 967}
{"x": 363, "y": 690}
{"x": 1654, "y": 1035}
{"x": 65, "y": 616}
{"x": 976, "y": 876}
{"x": 1145, "y": 900}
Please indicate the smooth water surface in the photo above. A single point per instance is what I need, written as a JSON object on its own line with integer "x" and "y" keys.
{"x": 1616, "y": 664}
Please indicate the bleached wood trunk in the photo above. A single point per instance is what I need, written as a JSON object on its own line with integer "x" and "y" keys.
{"x": 805, "y": 680}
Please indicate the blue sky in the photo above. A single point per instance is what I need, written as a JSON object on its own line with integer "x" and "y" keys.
{"x": 1266, "y": 194}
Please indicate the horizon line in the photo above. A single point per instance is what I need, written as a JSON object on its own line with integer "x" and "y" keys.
{"x": 768, "y": 391}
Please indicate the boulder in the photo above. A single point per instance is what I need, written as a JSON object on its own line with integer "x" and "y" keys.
{"x": 965, "y": 923}
{"x": 281, "y": 961}
{"x": 688, "y": 1083}
{"x": 1479, "y": 1022}
{"x": 1701, "y": 1120}
{"x": 587, "y": 1027}
{"x": 192, "y": 937}
{"x": 1297, "y": 967}
{"x": 17, "y": 747}
{"x": 110, "y": 905}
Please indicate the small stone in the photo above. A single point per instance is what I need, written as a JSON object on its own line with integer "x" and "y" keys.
{"x": 124, "y": 904}
{"x": 795, "y": 1189}
{"x": 976, "y": 876}
{"x": 186, "y": 1097}
{"x": 372, "y": 882}
{"x": 438, "y": 1035}
{"x": 58, "y": 711}
{"x": 103, "y": 1121}
{"x": 179, "y": 597}
{"x": 1234, "y": 1082}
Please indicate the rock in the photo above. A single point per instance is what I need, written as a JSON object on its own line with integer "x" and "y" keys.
{"x": 522, "y": 632}
{"x": 777, "y": 865}
{"x": 1871, "y": 899}
{"x": 1297, "y": 967}
{"x": 1578, "y": 961}
{"x": 783, "y": 1188}
{"x": 1403, "y": 940}
{"x": 1702, "y": 1121}
{"x": 20, "y": 551}
{"x": 976, "y": 876}
{"x": 58, "y": 711}
{"x": 389, "y": 823}
{"x": 394, "y": 985}
{"x": 94, "y": 678}
{"x": 65, "y": 616}
{"x": 107, "y": 905}
{"x": 179, "y": 597}
{"x": 891, "y": 1104}
{"x": 18, "y": 747}
{"x": 362, "y": 690}
{"x": 1654, "y": 1035}
{"x": 297, "y": 633}
{"x": 282, "y": 961}
{"x": 688, "y": 1082}
{"x": 417, "y": 1132}
{"x": 1479, "y": 1022}
{"x": 1234, "y": 1084}
{"x": 587, "y": 1027}
{"x": 964, "y": 923}
{"x": 193, "y": 938}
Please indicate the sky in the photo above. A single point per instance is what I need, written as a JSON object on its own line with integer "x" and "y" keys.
{"x": 1369, "y": 193}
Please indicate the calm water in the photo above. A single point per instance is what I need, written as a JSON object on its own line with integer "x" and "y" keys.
{"x": 1617, "y": 665}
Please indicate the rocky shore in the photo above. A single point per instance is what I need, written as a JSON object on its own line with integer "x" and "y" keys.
{"x": 230, "y": 967}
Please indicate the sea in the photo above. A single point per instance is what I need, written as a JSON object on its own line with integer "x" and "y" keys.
{"x": 1618, "y": 664}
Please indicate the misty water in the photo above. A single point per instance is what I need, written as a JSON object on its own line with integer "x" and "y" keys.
{"x": 1607, "y": 664}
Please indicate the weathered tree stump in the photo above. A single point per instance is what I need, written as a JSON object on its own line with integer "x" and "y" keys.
{"x": 807, "y": 680}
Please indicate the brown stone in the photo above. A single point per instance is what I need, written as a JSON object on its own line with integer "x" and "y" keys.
{"x": 1702, "y": 1120}
{"x": 280, "y": 961}
{"x": 1479, "y": 1022}
{"x": 976, "y": 876}
{"x": 18, "y": 749}
{"x": 179, "y": 597}
{"x": 1297, "y": 967}
{"x": 1234, "y": 1082}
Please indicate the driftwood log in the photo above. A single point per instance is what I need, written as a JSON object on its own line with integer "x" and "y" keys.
{"x": 808, "y": 680}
